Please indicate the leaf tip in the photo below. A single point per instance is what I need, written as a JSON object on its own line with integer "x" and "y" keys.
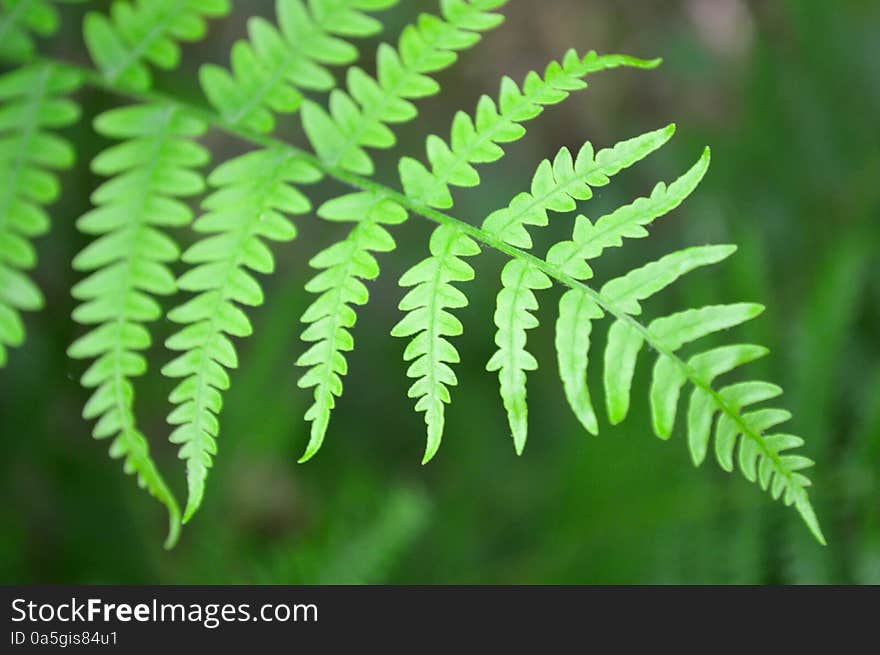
{"x": 429, "y": 456}
{"x": 174, "y": 524}
{"x": 310, "y": 453}
{"x": 192, "y": 506}
{"x": 727, "y": 250}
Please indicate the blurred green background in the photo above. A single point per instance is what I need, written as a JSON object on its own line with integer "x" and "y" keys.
{"x": 787, "y": 93}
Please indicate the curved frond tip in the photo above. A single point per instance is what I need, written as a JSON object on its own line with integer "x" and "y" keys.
{"x": 127, "y": 267}
{"x": 253, "y": 196}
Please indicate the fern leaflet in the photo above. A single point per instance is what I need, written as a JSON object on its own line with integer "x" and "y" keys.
{"x": 34, "y": 104}
{"x": 22, "y": 20}
{"x": 555, "y": 187}
{"x": 429, "y": 324}
{"x": 339, "y": 138}
{"x": 155, "y": 166}
{"x": 148, "y": 30}
{"x": 332, "y": 316}
{"x": 513, "y": 317}
{"x": 270, "y": 71}
{"x": 358, "y": 119}
{"x": 128, "y": 266}
{"x": 476, "y": 140}
{"x": 245, "y": 209}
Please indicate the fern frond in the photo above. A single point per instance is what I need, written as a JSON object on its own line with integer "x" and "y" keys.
{"x": 478, "y": 140}
{"x": 33, "y": 103}
{"x": 642, "y": 283}
{"x": 761, "y": 457}
{"x": 253, "y": 194}
{"x": 429, "y": 323}
{"x": 127, "y": 265}
{"x": 556, "y": 187}
{"x": 142, "y": 32}
{"x": 156, "y": 165}
{"x": 272, "y": 69}
{"x": 576, "y": 309}
{"x": 22, "y": 20}
{"x": 268, "y": 74}
{"x": 330, "y": 318}
{"x": 359, "y": 119}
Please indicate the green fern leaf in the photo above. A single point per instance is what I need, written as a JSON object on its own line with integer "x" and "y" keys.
{"x": 645, "y": 282}
{"x": 576, "y": 310}
{"x": 477, "y": 140}
{"x": 559, "y": 185}
{"x": 513, "y": 317}
{"x": 127, "y": 266}
{"x": 574, "y": 327}
{"x": 671, "y": 334}
{"x": 22, "y": 20}
{"x": 253, "y": 194}
{"x": 339, "y": 285}
{"x": 624, "y": 344}
{"x": 359, "y": 119}
{"x": 142, "y": 32}
{"x": 708, "y": 367}
{"x": 272, "y": 69}
{"x": 155, "y": 167}
{"x": 668, "y": 380}
{"x": 429, "y": 323}
{"x": 759, "y": 454}
{"x": 555, "y": 187}
{"x": 269, "y": 73}
{"x": 590, "y": 240}
{"x": 32, "y": 104}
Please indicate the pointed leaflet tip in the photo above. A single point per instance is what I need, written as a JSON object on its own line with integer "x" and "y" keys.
{"x": 430, "y": 453}
{"x": 617, "y": 60}
{"x": 310, "y": 453}
{"x": 805, "y": 509}
{"x": 192, "y": 505}
{"x": 173, "y": 526}
{"x": 435, "y": 437}
{"x": 316, "y": 440}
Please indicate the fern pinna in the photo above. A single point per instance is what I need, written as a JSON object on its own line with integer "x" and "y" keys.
{"x": 155, "y": 167}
